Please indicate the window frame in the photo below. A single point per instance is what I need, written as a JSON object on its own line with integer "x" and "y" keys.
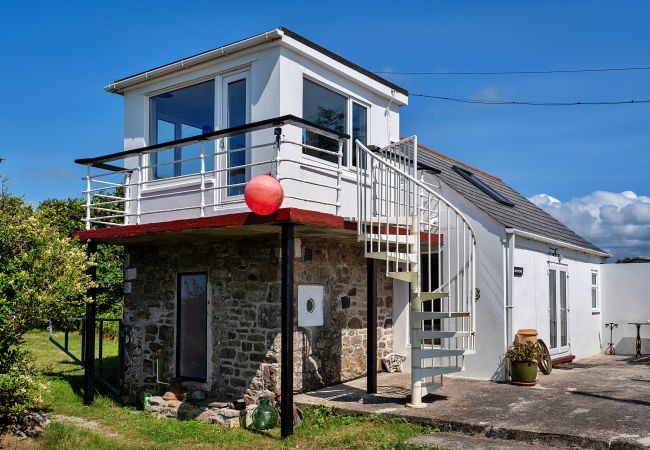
{"x": 232, "y": 76}
{"x": 150, "y": 158}
{"x": 594, "y": 287}
{"x": 483, "y": 186}
{"x": 350, "y": 101}
{"x": 177, "y": 352}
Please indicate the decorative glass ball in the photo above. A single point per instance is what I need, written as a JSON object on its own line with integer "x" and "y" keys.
{"x": 265, "y": 416}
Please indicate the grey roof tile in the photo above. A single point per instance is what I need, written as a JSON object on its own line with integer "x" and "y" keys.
{"x": 524, "y": 216}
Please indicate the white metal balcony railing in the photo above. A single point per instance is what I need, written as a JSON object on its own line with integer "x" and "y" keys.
{"x": 121, "y": 188}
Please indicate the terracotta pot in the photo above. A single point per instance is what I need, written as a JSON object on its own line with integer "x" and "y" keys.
{"x": 524, "y": 373}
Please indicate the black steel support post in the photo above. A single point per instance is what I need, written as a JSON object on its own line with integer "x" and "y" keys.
{"x": 286, "y": 401}
{"x": 89, "y": 344}
{"x": 371, "y": 379}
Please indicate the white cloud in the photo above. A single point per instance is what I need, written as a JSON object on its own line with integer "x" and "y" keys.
{"x": 618, "y": 222}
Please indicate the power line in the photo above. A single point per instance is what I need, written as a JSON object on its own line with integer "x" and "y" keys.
{"x": 529, "y": 103}
{"x": 518, "y": 72}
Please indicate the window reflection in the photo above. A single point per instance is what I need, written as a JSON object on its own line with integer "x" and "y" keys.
{"x": 180, "y": 114}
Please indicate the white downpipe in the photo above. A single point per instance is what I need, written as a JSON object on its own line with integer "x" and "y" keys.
{"x": 510, "y": 269}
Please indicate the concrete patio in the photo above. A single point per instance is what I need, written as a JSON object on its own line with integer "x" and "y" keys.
{"x": 604, "y": 402}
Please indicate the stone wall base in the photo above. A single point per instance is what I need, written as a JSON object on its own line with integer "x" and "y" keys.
{"x": 208, "y": 412}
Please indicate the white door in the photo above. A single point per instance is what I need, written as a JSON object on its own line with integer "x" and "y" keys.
{"x": 236, "y": 157}
{"x": 558, "y": 308}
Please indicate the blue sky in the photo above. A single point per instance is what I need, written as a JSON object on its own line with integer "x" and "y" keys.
{"x": 57, "y": 56}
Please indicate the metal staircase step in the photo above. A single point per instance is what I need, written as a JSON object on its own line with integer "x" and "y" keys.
{"x": 392, "y": 238}
{"x": 428, "y": 388}
{"x": 392, "y": 256}
{"x": 423, "y": 372}
{"x": 423, "y": 296}
{"x": 401, "y": 220}
{"x": 437, "y": 352}
{"x": 417, "y": 316}
{"x": 410, "y": 277}
{"x": 420, "y": 335}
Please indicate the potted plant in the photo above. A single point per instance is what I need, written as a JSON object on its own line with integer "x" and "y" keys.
{"x": 523, "y": 363}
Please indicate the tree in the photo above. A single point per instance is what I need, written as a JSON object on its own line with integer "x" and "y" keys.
{"x": 42, "y": 273}
{"x": 67, "y": 216}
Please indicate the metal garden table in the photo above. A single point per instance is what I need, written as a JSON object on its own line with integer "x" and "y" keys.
{"x": 638, "y": 336}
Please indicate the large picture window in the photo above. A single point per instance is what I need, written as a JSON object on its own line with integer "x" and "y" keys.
{"x": 178, "y": 114}
{"x": 192, "y": 326}
{"x": 327, "y": 109}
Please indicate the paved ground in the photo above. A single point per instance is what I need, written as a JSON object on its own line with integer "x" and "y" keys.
{"x": 604, "y": 402}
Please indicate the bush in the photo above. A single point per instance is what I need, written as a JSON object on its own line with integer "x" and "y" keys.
{"x": 20, "y": 387}
{"x": 523, "y": 352}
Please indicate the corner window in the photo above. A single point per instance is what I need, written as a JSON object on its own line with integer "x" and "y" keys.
{"x": 328, "y": 109}
{"x": 179, "y": 114}
{"x": 595, "y": 298}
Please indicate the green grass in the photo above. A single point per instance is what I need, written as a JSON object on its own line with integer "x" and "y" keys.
{"x": 108, "y": 425}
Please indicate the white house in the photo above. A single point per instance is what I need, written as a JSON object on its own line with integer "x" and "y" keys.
{"x": 380, "y": 246}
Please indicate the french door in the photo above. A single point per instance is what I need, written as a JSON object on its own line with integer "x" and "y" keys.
{"x": 558, "y": 308}
{"x": 235, "y": 92}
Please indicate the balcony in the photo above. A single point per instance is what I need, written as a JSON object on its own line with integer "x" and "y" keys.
{"x": 205, "y": 175}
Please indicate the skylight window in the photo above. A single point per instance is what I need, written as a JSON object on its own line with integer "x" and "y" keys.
{"x": 469, "y": 176}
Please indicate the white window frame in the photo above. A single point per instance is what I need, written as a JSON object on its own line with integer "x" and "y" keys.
{"x": 221, "y": 162}
{"x": 150, "y": 184}
{"x": 594, "y": 288}
{"x": 350, "y": 99}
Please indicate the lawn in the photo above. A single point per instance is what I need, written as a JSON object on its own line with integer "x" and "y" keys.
{"x": 108, "y": 425}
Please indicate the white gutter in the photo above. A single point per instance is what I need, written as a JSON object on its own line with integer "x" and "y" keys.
{"x": 118, "y": 87}
{"x": 546, "y": 240}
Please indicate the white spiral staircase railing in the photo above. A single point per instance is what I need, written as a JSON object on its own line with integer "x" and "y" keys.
{"x": 427, "y": 242}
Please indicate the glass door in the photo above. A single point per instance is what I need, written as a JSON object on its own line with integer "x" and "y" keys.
{"x": 235, "y": 113}
{"x": 558, "y": 308}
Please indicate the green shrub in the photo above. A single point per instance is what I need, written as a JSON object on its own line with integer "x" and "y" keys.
{"x": 20, "y": 387}
{"x": 523, "y": 352}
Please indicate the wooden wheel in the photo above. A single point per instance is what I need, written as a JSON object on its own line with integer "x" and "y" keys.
{"x": 544, "y": 358}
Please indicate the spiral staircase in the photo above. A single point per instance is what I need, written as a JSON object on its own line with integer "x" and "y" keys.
{"x": 426, "y": 241}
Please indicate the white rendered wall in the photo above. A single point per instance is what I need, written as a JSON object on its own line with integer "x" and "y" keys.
{"x": 531, "y": 296}
{"x": 276, "y": 72}
{"x": 487, "y": 363}
{"x": 626, "y": 298}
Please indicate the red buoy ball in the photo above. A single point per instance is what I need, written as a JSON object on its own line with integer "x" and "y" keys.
{"x": 263, "y": 195}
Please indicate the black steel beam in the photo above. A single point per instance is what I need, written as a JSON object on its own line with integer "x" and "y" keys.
{"x": 286, "y": 401}
{"x": 371, "y": 387}
{"x": 89, "y": 341}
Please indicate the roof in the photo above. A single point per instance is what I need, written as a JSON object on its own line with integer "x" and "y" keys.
{"x": 524, "y": 215}
{"x": 275, "y": 34}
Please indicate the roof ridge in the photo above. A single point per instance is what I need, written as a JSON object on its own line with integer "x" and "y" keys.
{"x": 458, "y": 162}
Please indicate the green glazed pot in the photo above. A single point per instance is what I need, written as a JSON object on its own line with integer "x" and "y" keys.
{"x": 264, "y": 416}
{"x": 524, "y": 372}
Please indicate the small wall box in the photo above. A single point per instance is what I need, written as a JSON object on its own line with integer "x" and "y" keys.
{"x": 310, "y": 305}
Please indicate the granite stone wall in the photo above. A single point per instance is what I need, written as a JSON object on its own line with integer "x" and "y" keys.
{"x": 244, "y": 314}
